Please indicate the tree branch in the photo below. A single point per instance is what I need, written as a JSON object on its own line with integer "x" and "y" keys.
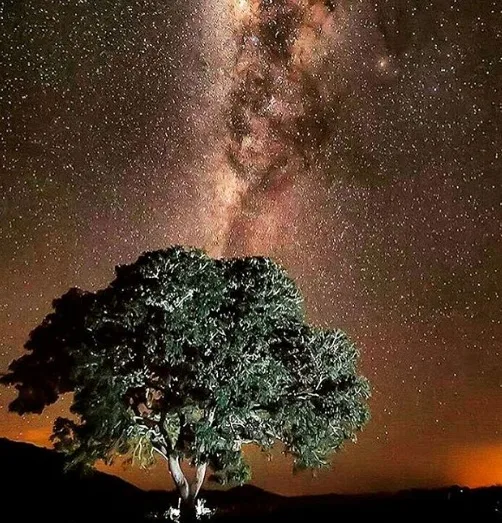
{"x": 161, "y": 452}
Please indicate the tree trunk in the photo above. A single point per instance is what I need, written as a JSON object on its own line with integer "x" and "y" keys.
{"x": 196, "y": 484}
{"x": 178, "y": 477}
{"x": 188, "y": 491}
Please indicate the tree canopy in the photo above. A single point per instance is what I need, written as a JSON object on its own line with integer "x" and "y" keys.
{"x": 192, "y": 357}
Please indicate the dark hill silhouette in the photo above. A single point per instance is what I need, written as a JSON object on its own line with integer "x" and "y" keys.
{"x": 35, "y": 489}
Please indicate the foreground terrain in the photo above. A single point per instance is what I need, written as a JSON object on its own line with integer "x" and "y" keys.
{"x": 35, "y": 489}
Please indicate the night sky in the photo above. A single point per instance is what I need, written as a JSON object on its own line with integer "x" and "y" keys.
{"x": 357, "y": 142}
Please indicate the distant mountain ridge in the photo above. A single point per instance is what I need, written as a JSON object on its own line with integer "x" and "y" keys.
{"x": 35, "y": 489}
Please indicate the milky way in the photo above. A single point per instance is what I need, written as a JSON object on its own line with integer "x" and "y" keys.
{"x": 275, "y": 117}
{"x": 357, "y": 142}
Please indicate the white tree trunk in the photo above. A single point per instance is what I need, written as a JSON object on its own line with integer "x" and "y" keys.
{"x": 188, "y": 491}
{"x": 178, "y": 477}
{"x": 196, "y": 485}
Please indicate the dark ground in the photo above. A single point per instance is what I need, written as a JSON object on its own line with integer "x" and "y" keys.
{"x": 35, "y": 489}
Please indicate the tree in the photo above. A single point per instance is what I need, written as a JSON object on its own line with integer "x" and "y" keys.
{"x": 190, "y": 358}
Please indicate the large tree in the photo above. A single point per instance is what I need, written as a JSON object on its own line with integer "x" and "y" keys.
{"x": 190, "y": 358}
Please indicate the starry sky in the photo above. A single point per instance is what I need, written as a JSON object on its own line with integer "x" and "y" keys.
{"x": 357, "y": 142}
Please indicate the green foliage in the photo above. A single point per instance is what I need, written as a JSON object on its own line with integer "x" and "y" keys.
{"x": 43, "y": 374}
{"x": 194, "y": 357}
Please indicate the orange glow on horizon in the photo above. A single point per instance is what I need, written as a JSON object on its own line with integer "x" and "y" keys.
{"x": 478, "y": 467}
{"x": 39, "y": 436}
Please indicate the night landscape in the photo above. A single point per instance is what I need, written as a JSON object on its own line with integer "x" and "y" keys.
{"x": 250, "y": 258}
